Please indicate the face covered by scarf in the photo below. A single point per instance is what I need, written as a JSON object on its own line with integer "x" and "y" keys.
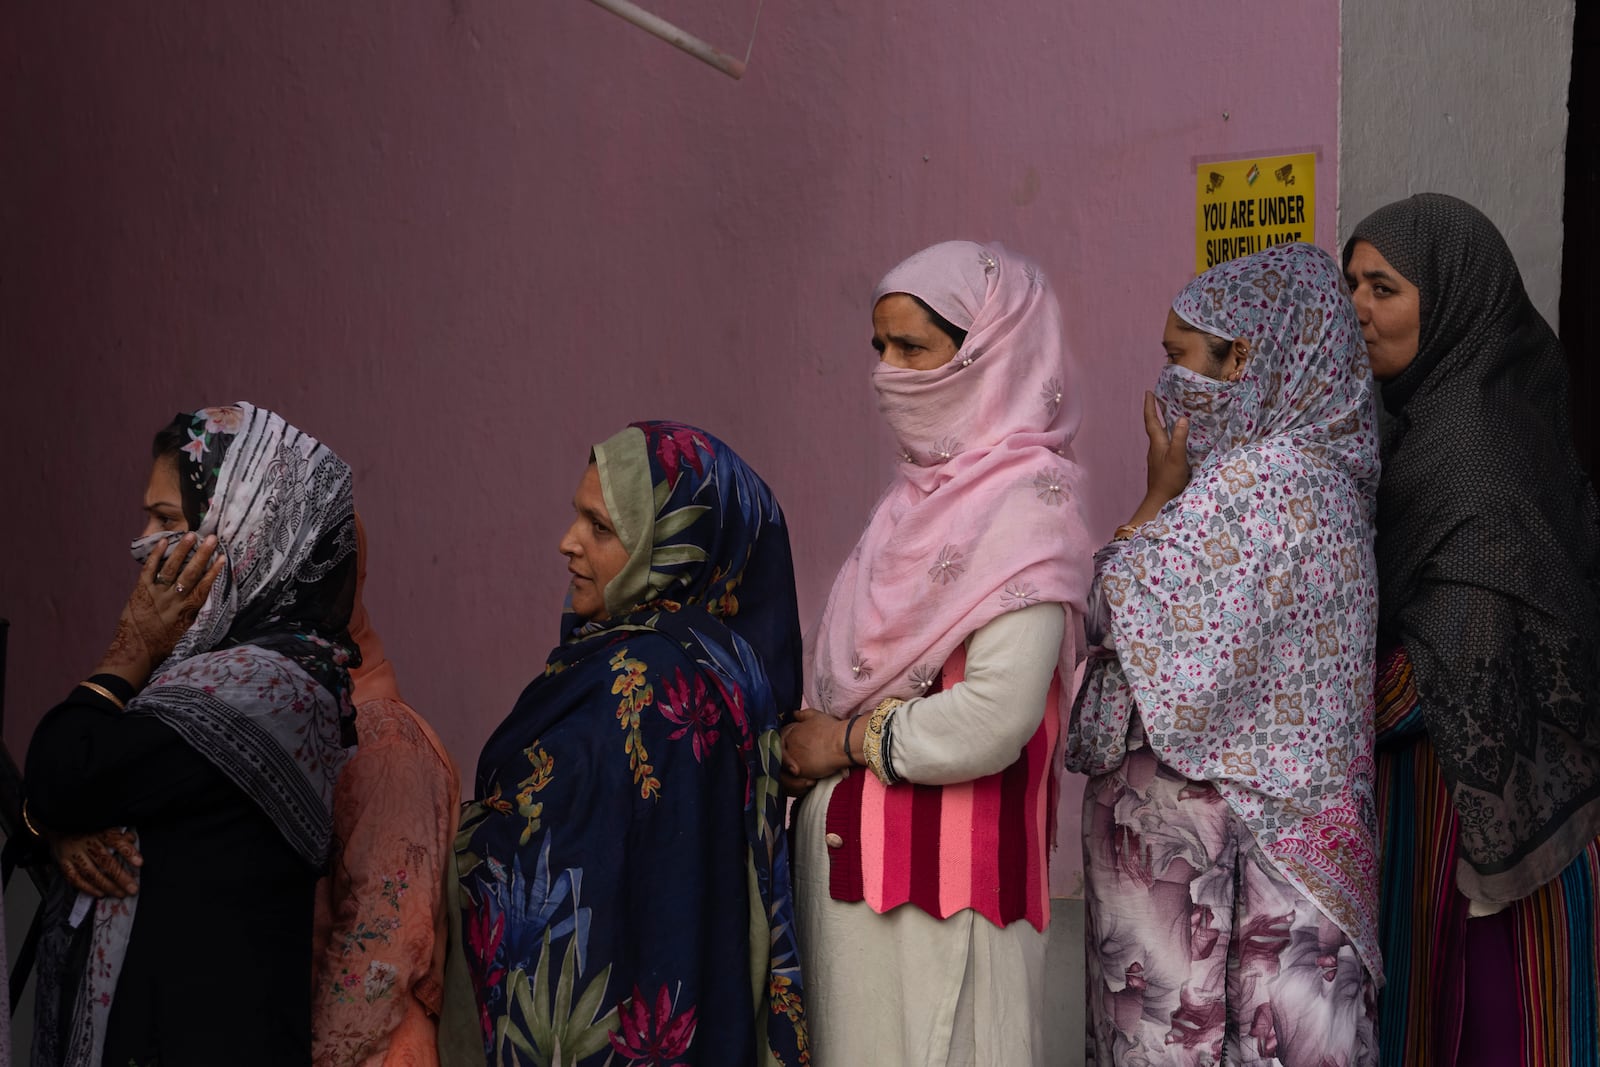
{"x": 984, "y": 514}
{"x": 1243, "y": 617}
{"x": 280, "y": 505}
{"x": 259, "y": 683}
{"x": 1488, "y": 551}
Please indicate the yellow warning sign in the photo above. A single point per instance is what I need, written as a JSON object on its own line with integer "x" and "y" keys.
{"x": 1245, "y": 205}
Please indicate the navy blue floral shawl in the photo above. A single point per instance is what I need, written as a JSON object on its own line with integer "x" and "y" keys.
{"x": 629, "y": 802}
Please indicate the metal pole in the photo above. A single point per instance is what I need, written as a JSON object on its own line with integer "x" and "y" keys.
{"x": 733, "y": 68}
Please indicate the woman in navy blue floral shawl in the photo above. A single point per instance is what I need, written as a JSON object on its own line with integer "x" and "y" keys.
{"x": 629, "y": 803}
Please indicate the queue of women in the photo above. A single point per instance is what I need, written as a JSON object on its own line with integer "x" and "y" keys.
{"x": 1335, "y": 686}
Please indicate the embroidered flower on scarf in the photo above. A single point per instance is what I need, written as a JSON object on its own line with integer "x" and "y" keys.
{"x": 905, "y": 456}
{"x": 1303, "y": 514}
{"x": 923, "y": 676}
{"x": 652, "y": 1036}
{"x": 1246, "y": 661}
{"x": 1141, "y": 657}
{"x": 1049, "y": 486}
{"x": 860, "y": 666}
{"x": 1189, "y": 717}
{"x": 1116, "y": 589}
{"x": 1238, "y": 475}
{"x": 948, "y": 567}
{"x": 1239, "y": 764}
{"x": 1271, "y": 283}
{"x": 675, "y": 445}
{"x": 379, "y": 981}
{"x": 1187, "y": 617}
{"x": 988, "y": 262}
{"x": 1017, "y": 595}
{"x": 1221, "y": 550}
{"x": 1034, "y": 275}
{"x": 693, "y": 708}
{"x": 223, "y": 420}
{"x": 971, "y": 356}
{"x": 944, "y": 448}
{"x": 1327, "y": 639}
{"x": 196, "y": 446}
{"x": 1288, "y": 709}
{"x": 1311, "y": 325}
{"x": 1051, "y": 393}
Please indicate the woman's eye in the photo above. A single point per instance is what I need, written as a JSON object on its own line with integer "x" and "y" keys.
{"x": 601, "y": 530}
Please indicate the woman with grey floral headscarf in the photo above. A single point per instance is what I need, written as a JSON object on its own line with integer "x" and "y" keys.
{"x": 1225, "y": 718}
{"x": 213, "y": 731}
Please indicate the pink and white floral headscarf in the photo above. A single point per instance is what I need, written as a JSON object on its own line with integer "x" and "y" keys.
{"x": 1243, "y": 618}
{"x": 984, "y": 515}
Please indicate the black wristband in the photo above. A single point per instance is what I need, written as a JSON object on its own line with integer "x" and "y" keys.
{"x": 850, "y": 724}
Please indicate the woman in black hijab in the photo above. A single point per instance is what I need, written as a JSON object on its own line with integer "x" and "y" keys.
{"x": 1489, "y": 653}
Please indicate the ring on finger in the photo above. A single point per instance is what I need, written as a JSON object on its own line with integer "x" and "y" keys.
{"x": 161, "y": 579}
{"x": 179, "y": 587}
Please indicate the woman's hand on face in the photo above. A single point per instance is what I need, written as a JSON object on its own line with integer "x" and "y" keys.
{"x": 101, "y": 864}
{"x": 1167, "y": 462}
{"x": 163, "y": 604}
{"x": 813, "y": 746}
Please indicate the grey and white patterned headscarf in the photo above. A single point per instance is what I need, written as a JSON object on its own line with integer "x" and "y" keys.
{"x": 1488, "y": 551}
{"x": 258, "y": 685}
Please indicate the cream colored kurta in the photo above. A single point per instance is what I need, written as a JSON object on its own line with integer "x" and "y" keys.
{"x": 906, "y": 988}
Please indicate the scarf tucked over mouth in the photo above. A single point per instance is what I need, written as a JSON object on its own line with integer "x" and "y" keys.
{"x": 984, "y": 515}
{"x": 259, "y": 684}
{"x": 1240, "y": 623}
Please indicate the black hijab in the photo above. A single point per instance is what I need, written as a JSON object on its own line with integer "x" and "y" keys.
{"x": 1488, "y": 552}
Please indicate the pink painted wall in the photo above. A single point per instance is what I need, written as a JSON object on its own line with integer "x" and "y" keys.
{"x": 462, "y": 240}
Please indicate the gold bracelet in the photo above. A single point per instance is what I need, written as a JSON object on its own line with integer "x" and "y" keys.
{"x": 103, "y": 691}
{"x": 26, "y": 821}
{"x": 872, "y": 739}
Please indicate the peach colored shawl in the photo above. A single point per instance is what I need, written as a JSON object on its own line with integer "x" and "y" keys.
{"x": 380, "y": 926}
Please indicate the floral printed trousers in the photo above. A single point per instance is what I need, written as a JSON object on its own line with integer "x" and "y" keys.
{"x": 1199, "y": 951}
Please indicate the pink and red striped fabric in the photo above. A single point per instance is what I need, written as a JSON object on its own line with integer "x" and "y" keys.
{"x": 982, "y": 844}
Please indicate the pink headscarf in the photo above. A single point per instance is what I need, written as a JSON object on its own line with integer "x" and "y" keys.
{"x": 984, "y": 515}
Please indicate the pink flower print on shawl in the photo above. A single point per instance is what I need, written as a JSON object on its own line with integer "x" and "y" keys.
{"x": 690, "y": 704}
{"x": 653, "y": 1036}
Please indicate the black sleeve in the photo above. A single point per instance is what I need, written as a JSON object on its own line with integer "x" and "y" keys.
{"x": 91, "y": 765}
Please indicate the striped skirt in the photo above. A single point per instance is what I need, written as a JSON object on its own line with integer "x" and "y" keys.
{"x": 1516, "y": 988}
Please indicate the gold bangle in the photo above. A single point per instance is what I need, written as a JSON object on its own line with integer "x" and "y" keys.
{"x": 26, "y": 821}
{"x": 872, "y": 738}
{"x": 103, "y": 691}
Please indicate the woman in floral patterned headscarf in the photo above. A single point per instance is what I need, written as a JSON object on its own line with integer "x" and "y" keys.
{"x": 623, "y": 869}
{"x": 214, "y": 727}
{"x": 1226, "y": 717}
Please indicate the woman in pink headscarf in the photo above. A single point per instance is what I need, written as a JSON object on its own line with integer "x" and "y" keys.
{"x": 379, "y": 935}
{"x": 922, "y": 886}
